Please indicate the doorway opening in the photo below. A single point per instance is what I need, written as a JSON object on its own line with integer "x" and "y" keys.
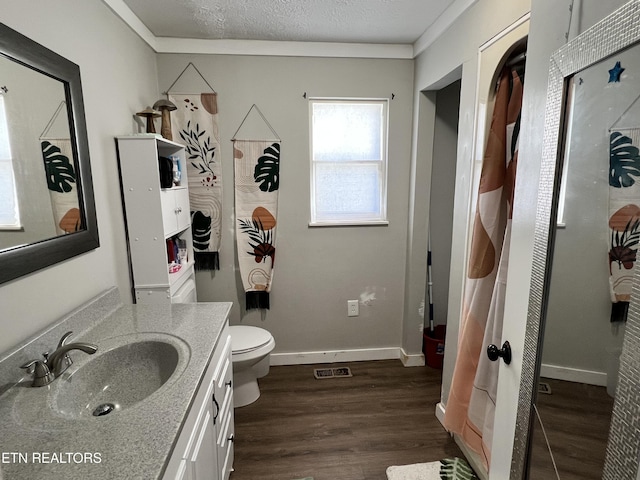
{"x": 441, "y": 192}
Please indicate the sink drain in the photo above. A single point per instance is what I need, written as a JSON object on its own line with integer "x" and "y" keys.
{"x": 104, "y": 409}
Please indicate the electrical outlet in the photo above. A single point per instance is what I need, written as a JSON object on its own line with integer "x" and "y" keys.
{"x": 352, "y": 308}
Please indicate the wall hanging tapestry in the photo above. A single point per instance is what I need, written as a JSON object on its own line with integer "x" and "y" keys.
{"x": 471, "y": 407}
{"x": 57, "y": 155}
{"x": 195, "y": 124}
{"x": 257, "y": 180}
{"x": 624, "y": 216}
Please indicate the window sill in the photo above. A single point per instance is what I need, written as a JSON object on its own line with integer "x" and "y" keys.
{"x": 353, "y": 223}
{"x": 11, "y": 228}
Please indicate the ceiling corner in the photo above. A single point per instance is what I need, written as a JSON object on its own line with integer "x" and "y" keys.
{"x": 123, "y": 11}
{"x": 444, "y": 21}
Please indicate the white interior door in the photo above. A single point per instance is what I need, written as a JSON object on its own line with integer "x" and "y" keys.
{"x": 491, "y": 56}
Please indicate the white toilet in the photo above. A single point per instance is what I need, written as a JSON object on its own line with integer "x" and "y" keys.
{"x": 251, "y": 347}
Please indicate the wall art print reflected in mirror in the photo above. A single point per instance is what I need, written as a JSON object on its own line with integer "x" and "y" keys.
{"x": 37, "y": 172}
{"x": 47, "y": 211}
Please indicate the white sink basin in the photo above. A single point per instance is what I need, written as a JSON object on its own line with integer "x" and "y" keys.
{"x": 116, "y": 379}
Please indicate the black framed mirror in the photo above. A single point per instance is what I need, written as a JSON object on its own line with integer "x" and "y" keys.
{"x": 47, "y": 207}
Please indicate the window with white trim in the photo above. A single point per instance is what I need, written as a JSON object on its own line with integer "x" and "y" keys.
{"x": 348, "y": 161}
{"x": 9, "y": 213}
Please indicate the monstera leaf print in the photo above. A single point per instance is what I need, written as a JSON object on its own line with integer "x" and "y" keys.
{"x": 624, "y": 161}
{"x": 58, "y": 168}
{"x": 267, "y": 170}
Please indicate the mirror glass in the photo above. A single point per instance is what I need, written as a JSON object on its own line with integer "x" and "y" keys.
{"x": 592, "y": 262}
{"x": 38, "y": 176}
{"x": 47, "y": 211}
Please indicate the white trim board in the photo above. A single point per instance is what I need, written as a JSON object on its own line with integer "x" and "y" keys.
{"x": 576, "y": 375}
{"x": 282, "y": 49}
{"x": 440, "y": 413}
{"x": 355, "y": 355}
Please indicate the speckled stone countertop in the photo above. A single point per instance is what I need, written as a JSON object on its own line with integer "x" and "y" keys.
{"x": 38, "y": 442}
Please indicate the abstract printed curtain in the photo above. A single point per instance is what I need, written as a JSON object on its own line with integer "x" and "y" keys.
{"x": 470, "y": 409}
{"x": 196, "y": 123}
{"x": 624, "y": 216}
{"x": 257, "y": 174}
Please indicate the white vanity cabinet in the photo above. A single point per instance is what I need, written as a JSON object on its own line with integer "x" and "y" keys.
{"x": 155, "y": 219}
{"x": 204, "y": 448}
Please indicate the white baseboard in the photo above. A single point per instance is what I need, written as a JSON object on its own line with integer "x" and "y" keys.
{"x": 412, "y": 360}
{"x": 577, "y": 375}
{"x": 440, "y": 413}
{"x": 335, "y": 356}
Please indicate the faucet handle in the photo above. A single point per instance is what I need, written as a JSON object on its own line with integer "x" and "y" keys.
{"x": 63, "y": 340}
{"x": 67, "y": 358}
{"x": 41, "y": 374}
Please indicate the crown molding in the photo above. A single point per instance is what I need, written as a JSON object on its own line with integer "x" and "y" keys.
{"x": 257, "y": 47}
{"x": 444, "y": 21}
{"x": 287, "y": 49}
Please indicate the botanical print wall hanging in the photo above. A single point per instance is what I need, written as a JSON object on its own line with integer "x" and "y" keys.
{"x": 57, "y": 155}
{"x": 257, "y": 180}
{"x": 195, "y": 124}
{"x": 624, "y": 215}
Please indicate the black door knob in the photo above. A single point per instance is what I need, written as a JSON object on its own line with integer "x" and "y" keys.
{"x": 494, "y": 353}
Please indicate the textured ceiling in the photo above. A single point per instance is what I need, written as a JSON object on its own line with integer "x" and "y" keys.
{"x": 348, "y": 21}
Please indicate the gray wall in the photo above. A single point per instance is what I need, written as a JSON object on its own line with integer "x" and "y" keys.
{"x": 317, "y": 269}
{"x": 118, "y": 77}
{"x": 442, "y": 189}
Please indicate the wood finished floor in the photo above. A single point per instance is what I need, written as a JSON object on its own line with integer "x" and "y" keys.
{"x": 340, "y": 428}
{"x": 576, "y": 418}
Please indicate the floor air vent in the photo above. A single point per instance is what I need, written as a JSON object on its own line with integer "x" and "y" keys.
{"x": 544, "y": 387}
{"x": 332, "y": 372}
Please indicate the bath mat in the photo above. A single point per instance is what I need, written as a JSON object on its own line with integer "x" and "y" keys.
{"x": 447, "y": 469}
{"x": 332, "y": 372}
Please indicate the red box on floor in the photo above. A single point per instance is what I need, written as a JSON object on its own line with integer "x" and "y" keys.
{"x": 433, "y": 346}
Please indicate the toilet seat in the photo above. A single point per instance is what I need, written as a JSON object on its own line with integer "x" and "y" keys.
{"x": 245, "y": 339}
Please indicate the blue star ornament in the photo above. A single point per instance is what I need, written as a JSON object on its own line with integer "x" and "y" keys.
{"x": 615, "y": 72}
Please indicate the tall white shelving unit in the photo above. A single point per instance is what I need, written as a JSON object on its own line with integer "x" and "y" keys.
{"x": 153, "y": 216}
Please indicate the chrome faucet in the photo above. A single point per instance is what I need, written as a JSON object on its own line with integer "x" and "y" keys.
{"x": 47, "y": 370}
{"x": 60, "y": 360}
